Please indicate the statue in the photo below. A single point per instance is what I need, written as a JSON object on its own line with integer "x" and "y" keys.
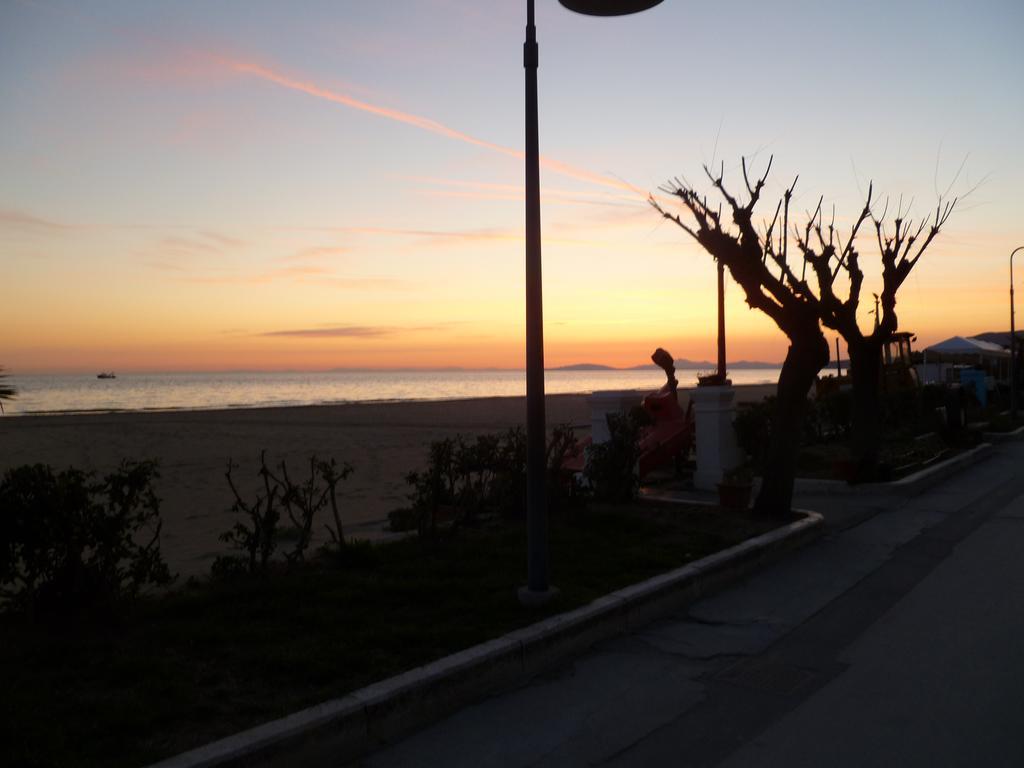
{"x": 664, "y": 360}
{"x": 663, "y": 405}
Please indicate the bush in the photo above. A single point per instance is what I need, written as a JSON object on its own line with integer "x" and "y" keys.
{"x": 564, "y": 490}
{"x": 70, "y": 543}
{"x": 466, "y": 479}
{"x": 611, "y": 466}
{"x": 835, "y": 413}
{"x": 753, "y": 424}
{"x": 301, "y": 502}
{"x": 826, "y": 418}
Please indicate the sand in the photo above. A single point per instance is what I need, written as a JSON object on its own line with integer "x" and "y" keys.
{"x": 384, "y": 441}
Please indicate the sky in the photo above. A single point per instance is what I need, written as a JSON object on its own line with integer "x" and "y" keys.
{"x": 249, "y": 185}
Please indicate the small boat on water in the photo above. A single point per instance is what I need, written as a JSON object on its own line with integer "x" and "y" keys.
{"x": 106, "y": 375}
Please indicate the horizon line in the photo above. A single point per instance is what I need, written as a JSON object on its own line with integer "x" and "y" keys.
{"x": 12, "y": 373}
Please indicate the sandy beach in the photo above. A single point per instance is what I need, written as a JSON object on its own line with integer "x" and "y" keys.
{"x": 383, "y": 441}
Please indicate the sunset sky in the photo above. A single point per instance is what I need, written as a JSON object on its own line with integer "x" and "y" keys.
{"x": 310, "y": 185}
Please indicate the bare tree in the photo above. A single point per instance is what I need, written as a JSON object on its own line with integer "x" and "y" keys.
{"x": 753, "y": 257}
{"x": 750, "y": 256}
{"x": 900, "y": 250}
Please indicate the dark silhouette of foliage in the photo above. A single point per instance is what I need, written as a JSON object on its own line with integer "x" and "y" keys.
{"x": 777, "y": 285}
{"x": 611, "y": 466}
{"x": 258, "y": 534}
{"x": 750, "y": 256}
{"x": 564, "y": 490}
{"x": 465, "y": 479}
{"x": 900, "y": 249}
{"x": 71, "y": 544}
{"x": 303, "y": 501}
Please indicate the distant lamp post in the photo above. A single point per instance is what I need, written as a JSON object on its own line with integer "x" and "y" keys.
{"x": 1013, "y": 346}
{"x": 722, "y": 380}
{"x": 538, "y": 589}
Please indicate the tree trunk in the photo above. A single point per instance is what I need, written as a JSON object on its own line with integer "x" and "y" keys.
{"x": 866, "y": 417}
{"x": 807, "y": 355}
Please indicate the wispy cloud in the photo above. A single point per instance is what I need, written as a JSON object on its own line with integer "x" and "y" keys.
{"x": 309, "y": 274}
{"x": 316, "y": 252}
{"x": 203, "y": 243}
{"x": 546, "y": 197}
{"x": 187, "y": 244}
{"x": 440, "y": 237}
{"x": 484, "y": 190}
{"x": 27, "y": 222}
{"x": 164, "y": 266}
{"x": 343, "y": 331}
{"x": 348, "y": 332}
{"x": 221, "y": 239}
{"x": 418, "y": 121}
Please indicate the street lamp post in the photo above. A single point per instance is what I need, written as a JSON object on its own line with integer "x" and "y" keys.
{"x": 538, "y": 588}
{"x": 1013, "y": 346}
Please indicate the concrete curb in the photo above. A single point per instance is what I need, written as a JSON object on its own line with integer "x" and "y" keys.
{"x": 342, "y": 729}
{"x": 908, "y": 486}
{"x": 1002, "y": 437}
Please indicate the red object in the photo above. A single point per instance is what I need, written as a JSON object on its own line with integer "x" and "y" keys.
{"x": 670, "y": 435}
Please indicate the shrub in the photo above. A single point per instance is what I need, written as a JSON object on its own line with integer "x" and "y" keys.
{"x": 508, "y": 485}
{"x": 257, "y": 535}
{"x": 611, "y": 466}
{"x": 826, "y": 417}
{"x": 563, "y": 489}
{"x": 465, "y": 479}
{"x": 835, "y": 413}
{"x": 70, "y": 543}
{"x": 753, "y": 424}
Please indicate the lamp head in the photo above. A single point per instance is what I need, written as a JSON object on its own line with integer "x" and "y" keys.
{"x": 608, "y": 7}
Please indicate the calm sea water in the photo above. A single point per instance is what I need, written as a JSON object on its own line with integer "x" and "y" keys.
{"x": 196, "y": 391}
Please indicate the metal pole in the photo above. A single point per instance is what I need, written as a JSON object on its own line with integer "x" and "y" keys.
{"x": 1013, "y": 347}
{"x": 536, "y": 427}
{"x": 721, "y": 323}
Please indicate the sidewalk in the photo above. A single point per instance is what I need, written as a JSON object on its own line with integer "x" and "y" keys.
{"x": 893, "y": 640}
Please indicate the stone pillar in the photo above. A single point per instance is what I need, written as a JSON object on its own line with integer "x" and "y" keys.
{"x": 605, "y": 402}
{"x": 717, "y": 450}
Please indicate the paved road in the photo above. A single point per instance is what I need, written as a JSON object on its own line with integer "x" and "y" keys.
{"x": 897, "y": 639}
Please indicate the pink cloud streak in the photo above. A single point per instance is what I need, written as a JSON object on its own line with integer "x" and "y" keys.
{"x": 418, "y": 121}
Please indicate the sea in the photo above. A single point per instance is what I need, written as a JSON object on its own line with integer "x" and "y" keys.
{"x": 81, "y": 393}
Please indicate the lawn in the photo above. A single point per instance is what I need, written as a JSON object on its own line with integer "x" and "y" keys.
{"x": 215, "y": 657}
{"x": 900, "y": 454}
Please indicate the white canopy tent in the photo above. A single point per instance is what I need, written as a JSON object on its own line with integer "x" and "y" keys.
{"x": 960, "y": 347}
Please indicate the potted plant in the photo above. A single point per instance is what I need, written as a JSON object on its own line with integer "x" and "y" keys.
{"x": 734, "y": 490}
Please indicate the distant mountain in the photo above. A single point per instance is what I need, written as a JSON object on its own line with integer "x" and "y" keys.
{"x": 681, "y": 364}
{"x": 706, "y": 365}
{"x": 439, "y": 369}
{"x": 744, "y": 365}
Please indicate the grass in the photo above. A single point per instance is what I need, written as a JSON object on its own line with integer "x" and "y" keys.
{"x": 213, "y": 658}
{"x": 903, "y": 454}
{"x": 1001, "y": 422}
